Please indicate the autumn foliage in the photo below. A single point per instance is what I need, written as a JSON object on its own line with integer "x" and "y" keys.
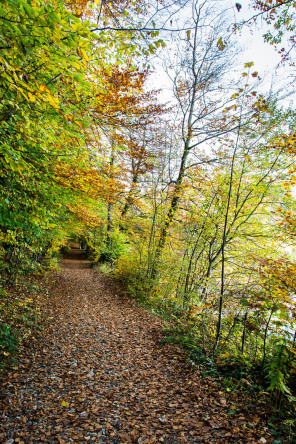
{"x": 185, "y": 194}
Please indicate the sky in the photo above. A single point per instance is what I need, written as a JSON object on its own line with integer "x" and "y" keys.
{"x": 266, "y": 59}
{"x": 253, "y": 49}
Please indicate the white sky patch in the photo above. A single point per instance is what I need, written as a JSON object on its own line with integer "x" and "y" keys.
{"x": 253, "y": 48}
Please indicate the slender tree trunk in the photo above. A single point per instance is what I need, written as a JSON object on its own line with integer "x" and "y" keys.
{"x": 136, "y": 166}
{"x": 224, "y": 240}
{"x": 265, "y": 337}
{"x": 221, "y": 300}
{"x": 244, "y": 333}
{"x": 110, "y": 207}
{"x": 129, "y": 199}
{"x": 208, "y": 274}
{"x": 151, "y": 237}
{"x": 109, "y": 225}
{"x": 222, "y": 288}
{"x": 171, "y": 212}
{"x": 187, "y": 285}
{"x": 179, "y": 283}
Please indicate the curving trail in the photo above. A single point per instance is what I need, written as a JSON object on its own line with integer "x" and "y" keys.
{"x": 100, "y": 374}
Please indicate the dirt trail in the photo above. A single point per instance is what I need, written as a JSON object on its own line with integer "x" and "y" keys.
{"x": 100, "y": 374}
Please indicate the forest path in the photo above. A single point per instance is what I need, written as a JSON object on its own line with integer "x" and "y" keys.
{"x": 99, "y": 374}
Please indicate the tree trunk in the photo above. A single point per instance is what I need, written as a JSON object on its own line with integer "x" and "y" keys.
{"x": 129, "y": 198}
{"x": 110, "y": 209}
{"x": 171, "y": 212}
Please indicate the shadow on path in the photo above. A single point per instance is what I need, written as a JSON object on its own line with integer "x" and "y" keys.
{"x": 75, "y": 258}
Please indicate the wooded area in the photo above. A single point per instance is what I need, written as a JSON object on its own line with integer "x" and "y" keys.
{"x": 185, "y": 195}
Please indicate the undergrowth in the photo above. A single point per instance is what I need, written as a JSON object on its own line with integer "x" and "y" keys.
{"x": 267, "y": 382}
{"x": 20, "y": 319}
{"x": 240, "y": 379}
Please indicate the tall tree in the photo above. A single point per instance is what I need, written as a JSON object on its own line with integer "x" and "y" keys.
{"x": 197, "y": 76}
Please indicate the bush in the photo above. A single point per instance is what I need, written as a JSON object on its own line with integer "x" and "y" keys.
{"x": 133, "y": 277}
{"x": 9, "y": 342}
{"x": 20, "y": 318}
{"x": 278, "y": 368}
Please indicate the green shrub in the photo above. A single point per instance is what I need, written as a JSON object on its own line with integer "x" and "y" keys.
{"x": 9, "y": 342}
{"x": 133, "y": 277}
{"x": 279, "y": 365}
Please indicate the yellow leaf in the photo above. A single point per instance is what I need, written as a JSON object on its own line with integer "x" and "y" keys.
{"x": 78, "y": 13}
{"x": 82, "y": 53}
{"x": 64, "y": 404}
{"x": 79, "y": 124}
{"x": 77, "y": 26}
{"x": 53, "y": 101}
{"x": 76, "y": 65}
{"x": 221, "y": 45}
{"x": 44, "y": 88}
{"x": 31, "y": 97}
{"x": 22, "y": 92}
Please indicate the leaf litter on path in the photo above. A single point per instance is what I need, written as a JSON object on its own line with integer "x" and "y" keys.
{"x": 100, "y": 374}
